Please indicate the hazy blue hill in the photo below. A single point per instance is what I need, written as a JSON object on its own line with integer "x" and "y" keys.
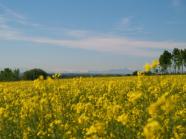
{"x": 113, "y": 71}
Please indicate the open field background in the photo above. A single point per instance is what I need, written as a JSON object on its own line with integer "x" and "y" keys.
{"x": 113, "y": 107}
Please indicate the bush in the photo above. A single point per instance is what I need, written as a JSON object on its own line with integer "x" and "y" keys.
{"x": 135, "y": 73}
{"x": 34, "y": 74}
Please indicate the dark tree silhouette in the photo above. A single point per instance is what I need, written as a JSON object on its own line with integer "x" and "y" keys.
{"x": 184, "y": 57}
{"x": 165, "y": 60}
{"x": 177, "y": 59}
{"x": 34, "y": 74}
{"x": 9, "y": 75}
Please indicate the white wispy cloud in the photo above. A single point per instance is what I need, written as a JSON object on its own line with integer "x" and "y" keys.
{"x": 8, "y": 15}
{"x": 84, "y": 39}
{"x": 127, "y": 25}
{"x": 112, "y": 44}
{"x": 9, "y": 12}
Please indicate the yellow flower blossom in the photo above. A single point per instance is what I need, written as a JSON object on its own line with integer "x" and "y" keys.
{"x": 96, "y": 128}
{"x": 152, "y": 129}
{"x": 155, "y": 63}
{"x": 147, "y": 67}
{"x": 123, "y": 119}
{"x": 132, "y": 96}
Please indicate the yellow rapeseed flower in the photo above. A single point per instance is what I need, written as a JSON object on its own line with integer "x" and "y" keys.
{"x": 155, "y": 63}
{"x": 123, "y": 119}
{"x": 151, "y": 130}
{"x": 147, "y": 67}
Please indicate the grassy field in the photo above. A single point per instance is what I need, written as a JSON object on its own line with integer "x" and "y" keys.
{"x": 150, "y": 107}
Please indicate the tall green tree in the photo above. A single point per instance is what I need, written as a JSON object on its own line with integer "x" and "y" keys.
{"x": 16, "y": 74}
{"x": 184, "y": 57}
{"x": 165, "y": 60}
{"x": 177, "y": 59}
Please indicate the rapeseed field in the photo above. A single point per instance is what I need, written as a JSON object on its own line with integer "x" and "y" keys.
{"x": 141, "y": 107}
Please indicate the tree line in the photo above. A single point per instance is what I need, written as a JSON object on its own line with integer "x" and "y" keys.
{"x": 169, "y": 62}
{"x": 8, "y": 74}
{"x": 173, "y": 62}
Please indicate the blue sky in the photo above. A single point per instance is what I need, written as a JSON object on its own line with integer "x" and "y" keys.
{"x": 82, "y": 35}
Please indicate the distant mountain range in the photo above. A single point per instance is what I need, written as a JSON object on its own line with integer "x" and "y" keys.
{"x": 112, "y": 71}
{"x": 123, "y": 71}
